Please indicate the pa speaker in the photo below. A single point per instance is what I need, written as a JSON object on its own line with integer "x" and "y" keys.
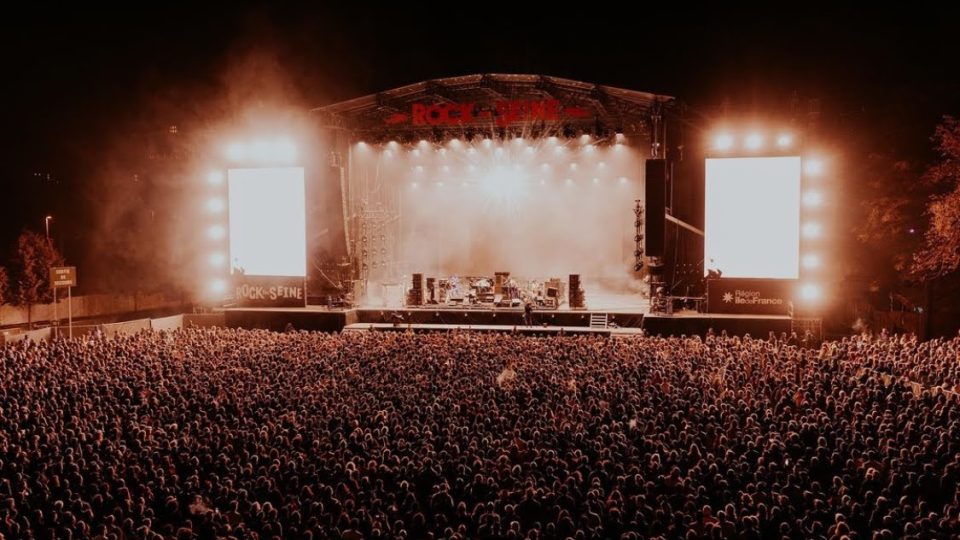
{"x": 655, "y": 203}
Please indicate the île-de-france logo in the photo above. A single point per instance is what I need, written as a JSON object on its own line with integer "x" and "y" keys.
{"x": 728, "y": 297}
{"x": 504, "y": 113}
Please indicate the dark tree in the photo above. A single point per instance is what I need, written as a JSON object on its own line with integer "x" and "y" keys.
{"x": 940, "y": 253}
{"x": 30, "y": 272}
{"x": 4, "y": 285}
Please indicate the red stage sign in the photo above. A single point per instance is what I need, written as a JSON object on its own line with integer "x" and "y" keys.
{"x": 504, "y": 113}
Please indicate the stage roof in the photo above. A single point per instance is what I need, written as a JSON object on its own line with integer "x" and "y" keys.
{"x": 590, "y": 106}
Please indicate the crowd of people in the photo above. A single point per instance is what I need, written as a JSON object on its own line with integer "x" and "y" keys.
{"x": 222, "y": 433}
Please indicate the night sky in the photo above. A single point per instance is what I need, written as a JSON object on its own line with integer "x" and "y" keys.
{"x": 79, "y": 84}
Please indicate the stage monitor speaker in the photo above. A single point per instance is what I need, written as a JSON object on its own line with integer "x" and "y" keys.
{"x": 499, "y": 280}
{"x": 655, "y": 203}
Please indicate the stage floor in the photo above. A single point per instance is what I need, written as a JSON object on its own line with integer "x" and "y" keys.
{"x": 610, "y": 322}
{"x": 519, "y": 329}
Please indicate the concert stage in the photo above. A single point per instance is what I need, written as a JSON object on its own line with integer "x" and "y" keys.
{"x": 603, "y": 322}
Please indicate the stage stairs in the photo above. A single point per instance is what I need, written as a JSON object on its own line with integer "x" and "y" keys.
{"x": 598, "y": 320}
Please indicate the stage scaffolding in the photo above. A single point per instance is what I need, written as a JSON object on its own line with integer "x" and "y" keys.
{"x": 374, "y": 219}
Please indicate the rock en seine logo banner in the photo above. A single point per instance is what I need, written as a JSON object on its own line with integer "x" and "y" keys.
{"x": 504, "y": 113}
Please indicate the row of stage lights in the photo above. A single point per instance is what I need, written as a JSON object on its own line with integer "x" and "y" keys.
{"x": 587, "y": 142}
{"x": 812, "y": 233}
{"x": 753, "y": 141}
{"x": 585, "y": 145}
{"x": 216, "y": 233}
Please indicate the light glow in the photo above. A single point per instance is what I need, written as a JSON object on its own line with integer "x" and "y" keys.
{"x": 811, "y": 261}
{"x": 813, "y": 167}
{"x": 216, "y": 232}
{"x": 215, "y": 205}
{"x": 810, "y": 292}
{"x": 218, "y": 286}
{"x": 723, "y": 141}
{"x": 813, "y": 198}
{"x": 215, "y": 178}
{"x": 812, "y": 230}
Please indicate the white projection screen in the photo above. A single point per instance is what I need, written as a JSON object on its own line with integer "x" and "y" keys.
{"x": 267, "y": 221}
{"x": 752, "y": 221}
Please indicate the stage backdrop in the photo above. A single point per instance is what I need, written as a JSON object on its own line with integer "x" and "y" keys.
{"x": 750, "y": 296}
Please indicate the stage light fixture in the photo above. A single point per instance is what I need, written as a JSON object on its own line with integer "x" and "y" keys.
{"x": 811, "y": 261}
{"x": 584, "y": 139}
{"x": 552, "y": 139}
{"x": 236, "y": 151}
{"x": 623, "y": 179}
{"x": 423, "y": 143}
{"x": 784, "y": 140}
{"x": 218, "y": 286}
{"x": 362, "y": 145}
{"x": 620, "y": 137}
{"x": 813, "y": 166}
{"x": 723, "y": 141}
{"x": 813, "y": 198}
{"x": 215, "y": 205}
{"x": 418, "y": 168}
{"x": 215, "y": 177}
{"x": 810, "y": 292}
{"x": 216, "y": 232}
{"x": 812, "y": 230}
{"x": 487, "y": 143}
{"x": 216, "y": 259}
{"x": 573, "y": 166}
{"x": 754, "y": 141}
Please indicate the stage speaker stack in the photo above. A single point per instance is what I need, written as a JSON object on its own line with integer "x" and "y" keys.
{"x": 655, "y": 200}
{"x": 575, "y": 292}
{"x": 416, "y": 293}
{"x": 499, "y": 280}
{"x": 432, "y": 289}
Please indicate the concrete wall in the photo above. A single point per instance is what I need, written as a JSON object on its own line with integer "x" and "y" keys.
{"x": 95, "y": 305}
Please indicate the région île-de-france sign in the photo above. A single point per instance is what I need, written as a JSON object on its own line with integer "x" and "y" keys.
{"x": 503, "y": 113}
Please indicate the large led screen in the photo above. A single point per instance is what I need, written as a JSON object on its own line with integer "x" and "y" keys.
{"x": 752, "y": 221}
{"x": 267, "y": 221}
